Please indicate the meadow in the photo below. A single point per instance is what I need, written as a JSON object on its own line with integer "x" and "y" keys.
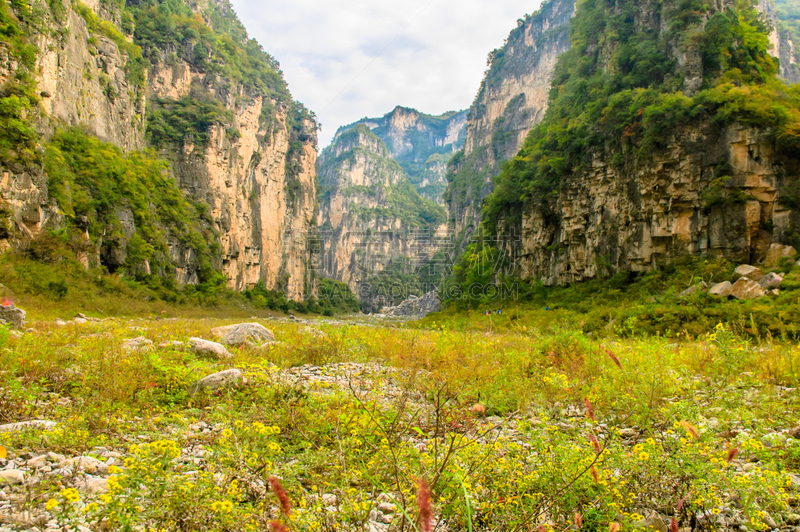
{"x": 457, "y": 422}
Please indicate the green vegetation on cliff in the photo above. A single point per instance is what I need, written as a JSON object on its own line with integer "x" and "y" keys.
{"x": 617, "y": 92}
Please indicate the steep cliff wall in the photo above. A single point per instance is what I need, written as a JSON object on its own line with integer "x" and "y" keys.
{"x": 421, "y": 143}
{"x": 376, "y": 229}
{"x": 512, "y": 99}
{"x": 647, "y": 155}
{"x": 187, "y": 81}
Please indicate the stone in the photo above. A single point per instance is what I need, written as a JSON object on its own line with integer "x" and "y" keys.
{"x": 776, "y": 252}
{"x": 80, "y": 321}
{"x": 32, "y": 424}
{"x": 415, "y": 306}
{"x": 750, "y": 272}
{"x": 95, "y": 485}
{"x": 722, "y": 289}
{"x": 140, "y": 343}
{"x": 795, "y": 433}
{"x": 12, "y": 315}
{"x": 653, "y": 521}
{"x": 221, "y": 380}
{"x": 13, "y": 477}
{"x": 329, "y": 499}
{"x": 248, "y": 333}
{"x": 37, "y": 462}
{"x": 87, "y": 464}
{"x": 689, "y": 291}
{"x": 387, "y": 508}
{"x": 746, "y": 288}
{"x": 628, "y": 433}
{"x": 208, "y": 348}
{"x": 770, "y": 280}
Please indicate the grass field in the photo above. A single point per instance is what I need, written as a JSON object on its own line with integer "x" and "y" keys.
{"x": 514, "y": 427}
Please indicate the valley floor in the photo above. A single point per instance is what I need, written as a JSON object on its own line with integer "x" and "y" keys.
{"x": 343, "y": 420}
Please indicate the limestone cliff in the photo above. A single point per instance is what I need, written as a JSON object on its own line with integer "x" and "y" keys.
{"x": 646, "y": 215}
{"x": 186, "y": 80}
{"x": 376, "y": 230}
{"x": 421, "y": 143}
{"x": 663, "y": 158}
{"x": 512, "y": 99}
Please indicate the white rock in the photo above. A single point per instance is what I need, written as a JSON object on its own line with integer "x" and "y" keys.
{"x": 222, "y": 379}
{"x": 95, "y": 485}
{"x": 87, "y": 464}
{"x": 751, "y": 272}
{"x": 12, "y": 476}
{"x": 32, "y": 424}
{"x": 208, "y": 348}
{"x": 247, "y": 333}
{"x": 746, "y": 288}
{"x": 140, "y": 343}
{"x": 721, "y": 289}
{"x": 37, "y": 462}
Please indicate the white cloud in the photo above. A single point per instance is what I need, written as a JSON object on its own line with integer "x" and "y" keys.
{"x": 347, "y": 59}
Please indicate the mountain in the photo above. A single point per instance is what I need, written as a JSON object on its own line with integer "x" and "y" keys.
{"x": 421, "y": 143}
{"x": 512, "y": 99}
{"x": 153, "y": 138}
{"x": 376, "y": 231}
{"x": 668, "y": 133}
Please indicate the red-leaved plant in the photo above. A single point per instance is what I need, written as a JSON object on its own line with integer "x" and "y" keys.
{"x": 424, "y": 505}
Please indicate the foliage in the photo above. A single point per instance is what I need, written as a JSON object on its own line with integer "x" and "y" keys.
{"x": 175, "y": 122}
{"x": 93, "y": 181}
{"x": 606, "y": 429}
{"x": 630, "y": 109}
{"x": 221, "y": 48}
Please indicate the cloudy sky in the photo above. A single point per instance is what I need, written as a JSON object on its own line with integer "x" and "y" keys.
{"x": 347, "y": 59}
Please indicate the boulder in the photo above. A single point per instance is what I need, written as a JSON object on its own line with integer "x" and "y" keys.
{"x": 248, "y": 333}
{"x": 208, "y": 348}
{"x": 32, "y": 424}
{"x": 750, "y": 272}
{"x": 219, "y": 332}
{"x": 230, "y": 378}
{"x": 12, "y": 315}
{"x": 415, "y": 306}
{"x": 12, "y": 476}
{"x": 770, "y": 280}
{"x": 776, "y": 252}
{"x": 722, "y": 289}
{"x": 140, "y": 343}
{"x": 746, "y": 288}
{"x": 689, "y": 291}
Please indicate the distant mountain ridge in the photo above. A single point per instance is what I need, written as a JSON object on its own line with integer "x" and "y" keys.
{"x": 421, "y": 143}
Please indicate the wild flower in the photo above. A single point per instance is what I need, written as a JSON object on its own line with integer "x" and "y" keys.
{"x": 52, "y": 503}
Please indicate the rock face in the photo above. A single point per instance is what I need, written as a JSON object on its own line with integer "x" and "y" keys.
{"x": 608, "y": 219}
{"x": 376, "y": 230}
{"x": 421, "y": 143}
{"x": 512, "y": 99}
{"x": 776, "y": 252}
{"x": 240, "y": 148}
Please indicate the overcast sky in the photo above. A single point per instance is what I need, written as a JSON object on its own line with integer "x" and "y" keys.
{"x": 347, "y": 59}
